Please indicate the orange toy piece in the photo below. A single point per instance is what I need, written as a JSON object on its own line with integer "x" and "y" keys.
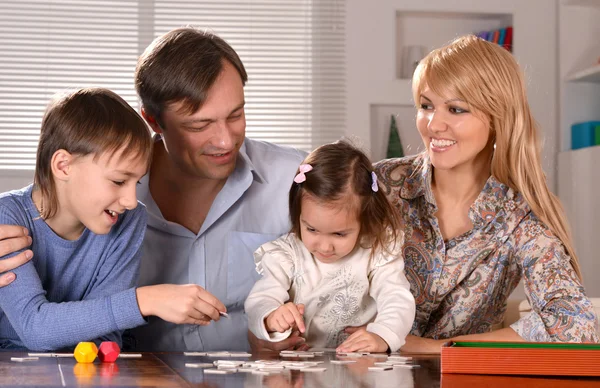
{"x": 108, "y": 351}
{"x": 86, "y": 352}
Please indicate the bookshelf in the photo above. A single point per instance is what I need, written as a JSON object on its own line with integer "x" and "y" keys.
{"x": 414, "y": 29}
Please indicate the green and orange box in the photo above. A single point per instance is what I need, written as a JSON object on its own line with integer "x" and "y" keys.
{"x": 521, "y": 358}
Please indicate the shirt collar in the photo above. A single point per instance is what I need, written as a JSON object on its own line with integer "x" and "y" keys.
{"x": 494, "y": 197}
{"x": 418, "y": 181}
{"x": 245, "y": 163}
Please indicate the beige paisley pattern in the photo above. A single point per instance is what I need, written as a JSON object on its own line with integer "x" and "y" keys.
{"x": 461, "y": 286}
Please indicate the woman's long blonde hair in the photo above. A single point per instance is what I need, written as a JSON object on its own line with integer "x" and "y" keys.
{"x": 487, "y": 77}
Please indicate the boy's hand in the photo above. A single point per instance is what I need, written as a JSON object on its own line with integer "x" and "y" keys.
{"x": 179, "y": 303}
{"x": 363, "y": 341}
{"x": 285, "y": 317}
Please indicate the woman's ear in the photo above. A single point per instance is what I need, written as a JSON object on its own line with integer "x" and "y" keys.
{"x": 151, "y": 120}
{"x": 61, "y": 163}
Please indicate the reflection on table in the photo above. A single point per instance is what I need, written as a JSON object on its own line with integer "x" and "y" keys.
{"x": 168, "y": 370}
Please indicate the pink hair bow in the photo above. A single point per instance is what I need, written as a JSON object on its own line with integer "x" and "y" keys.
{"x": 304, "y": 168}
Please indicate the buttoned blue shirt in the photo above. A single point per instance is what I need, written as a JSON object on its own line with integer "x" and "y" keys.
{"x": 250, "y": 209}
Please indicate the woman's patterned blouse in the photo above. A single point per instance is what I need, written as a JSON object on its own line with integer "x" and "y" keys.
{"x": 461, "y": 286}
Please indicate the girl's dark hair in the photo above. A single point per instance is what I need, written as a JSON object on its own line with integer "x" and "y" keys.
{"x": 340, "y": 171}
{"x": 87, "y": 121}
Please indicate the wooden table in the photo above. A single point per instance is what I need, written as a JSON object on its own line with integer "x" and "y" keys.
{"x": 168, "y": 370}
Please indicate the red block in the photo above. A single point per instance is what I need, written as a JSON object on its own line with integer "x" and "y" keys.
{"x": 108, "y": 351}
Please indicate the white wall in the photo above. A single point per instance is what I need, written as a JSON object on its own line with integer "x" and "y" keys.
{"x": 11, "y": 180}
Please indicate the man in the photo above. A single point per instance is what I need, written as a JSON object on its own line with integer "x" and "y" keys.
{"x": 13, "y": 238}
{"x": 213, "y": 196}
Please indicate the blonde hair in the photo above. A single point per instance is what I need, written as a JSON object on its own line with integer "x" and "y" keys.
{"x": 489, "y": 80}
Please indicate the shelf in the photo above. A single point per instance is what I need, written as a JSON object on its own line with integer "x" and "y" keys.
{"x": 591, "y": 74}
{"x": 415, "y": 36}
{"x": 583, "y": 3}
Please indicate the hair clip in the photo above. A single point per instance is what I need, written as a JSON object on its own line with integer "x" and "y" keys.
{"x": 304, "y": 168}
{"x": 374, "y": 185}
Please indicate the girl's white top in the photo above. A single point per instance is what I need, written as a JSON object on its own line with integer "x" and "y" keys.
{"x": 353, "y": 291}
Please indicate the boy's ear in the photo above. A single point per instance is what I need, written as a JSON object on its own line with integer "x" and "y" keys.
{"x": 151, "y": 120}
{"x": 61, "y": 164}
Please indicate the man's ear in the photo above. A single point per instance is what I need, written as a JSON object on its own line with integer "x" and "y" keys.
{"x": 61, "y": 164}
{"x": 151, "y": 120}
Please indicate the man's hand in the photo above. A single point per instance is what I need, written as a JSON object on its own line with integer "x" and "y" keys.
{"x": 13, "y": 238}
{"x": 293, "y": 342}
{"x": 286, "y": 317}
{"x": 363, "y": 341}
{"x": 188, "y": 303}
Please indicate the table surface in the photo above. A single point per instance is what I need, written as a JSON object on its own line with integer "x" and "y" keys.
{"x": 168, "y": 370}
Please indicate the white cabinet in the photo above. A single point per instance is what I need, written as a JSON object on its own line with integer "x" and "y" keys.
{"x": 579, "y": 90}
{"x": 579, "y": 185}
{"x": 579, "y": 69}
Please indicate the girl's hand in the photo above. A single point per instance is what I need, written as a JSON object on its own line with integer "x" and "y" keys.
{"x": 293, "y": 342}
{"x": 416, "y": 344}
{"x": 353, "y": 329}
{"x": 363, "y": 341}
{"x": 286, "y": 317}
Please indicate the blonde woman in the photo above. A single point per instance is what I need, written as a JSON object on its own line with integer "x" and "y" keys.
{"x": 478, "y": 215}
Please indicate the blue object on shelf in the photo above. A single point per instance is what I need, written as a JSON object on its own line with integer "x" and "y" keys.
{"x": 502, "y": 36}
{"x": 583, "y": 134}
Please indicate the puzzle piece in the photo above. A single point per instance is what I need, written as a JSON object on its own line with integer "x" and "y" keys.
{"x": 50, "y": 354}
{"x": 198, "y": 365}
{"x": 217, "y": 371}
{"x": 23, "y": 359}
{"x": 130, "y": 355}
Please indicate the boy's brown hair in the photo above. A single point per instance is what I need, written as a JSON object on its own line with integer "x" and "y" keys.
{"x": 84, "y": 122}
{"x": 341, "y": 173}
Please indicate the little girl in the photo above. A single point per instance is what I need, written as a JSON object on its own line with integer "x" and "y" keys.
{"x": 340, "y": 266}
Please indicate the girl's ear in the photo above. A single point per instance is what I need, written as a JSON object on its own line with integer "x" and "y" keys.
{"x": 61, "y": 163}
{"x": 151, "y": 120}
